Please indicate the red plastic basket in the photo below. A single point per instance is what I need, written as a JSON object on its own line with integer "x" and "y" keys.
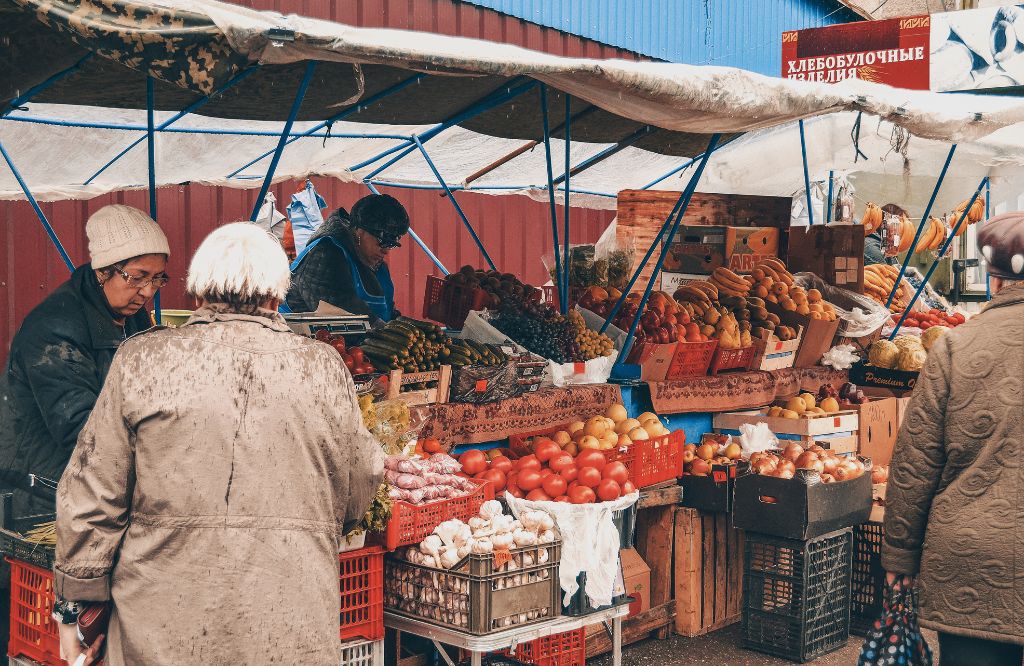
{"x": 451, "y": 303}
{"x": 362, "y": 594}
{"x": 692, "y": 359}
{"x": 568, "y": 648}
{"x": 519, "y": 443}
{"x": 732, "y": 359}
{"x": 33, "y": 629}
{"x": 411, "y": 523}
{"x": 654, "y": 460}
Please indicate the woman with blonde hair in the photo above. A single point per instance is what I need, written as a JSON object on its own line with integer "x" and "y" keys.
{"x": 211, "y": 486}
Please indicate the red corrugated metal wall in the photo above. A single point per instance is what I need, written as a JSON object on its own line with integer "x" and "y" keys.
{"x": 512, "y": 228}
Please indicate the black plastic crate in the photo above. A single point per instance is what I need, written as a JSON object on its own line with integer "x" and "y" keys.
{"x": 796, "y": 594}
{"x": 13, "y": 544}
{"x": 867, "y": 586}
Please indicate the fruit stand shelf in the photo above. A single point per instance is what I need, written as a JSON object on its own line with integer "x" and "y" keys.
{"x": 477, "y": 646}
{"x": 663, "y": 494}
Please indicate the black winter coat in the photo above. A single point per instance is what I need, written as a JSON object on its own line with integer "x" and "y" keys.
{"x": 55, "y": 370}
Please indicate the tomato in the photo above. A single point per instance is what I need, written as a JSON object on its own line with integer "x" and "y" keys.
{"x": 363, "y": 369}
{"x": 554, "y": 485}
{"x": 589, "y": 477}
{"x": 546, "y": 472}
{"x": 582, "y": 495}
{"x": 591, "y": 458}
{"x": 528, "y": 462}
{"x": 323, "y": 335}
{"x": 628, "y": 488}
{"x": 617, "y": 472}
{"x": 496, "y": 477}
{"x": 339, "y": 345}
{"x": 560, "y": 462}
{"x": 502, "y": 463}
{"x": 357, "y": 354}
{"x": 538, "y": 495}
{"x": 515, "y": 492}
{"x": 924, "y": 325}
{"x": 608, "y": 490}
{"x": 562, "y": 498}
{"x": 431, "y": 445}
{"x": 569, "y": 473}
{"x": 528, "y": 479}
{"x": 473, "y": 461}
{"x": 546, "y": 449}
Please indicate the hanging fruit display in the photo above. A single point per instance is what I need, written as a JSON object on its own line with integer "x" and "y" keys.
{"x": 872, "y": 219}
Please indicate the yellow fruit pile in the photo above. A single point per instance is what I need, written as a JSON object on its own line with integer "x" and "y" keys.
{"x": 774, "y": 284}
{"x": 804, "y": 406}
{"x": 592, "y": 344}
{"x": 731, "y": 283}
{"x": 879, "y": 280}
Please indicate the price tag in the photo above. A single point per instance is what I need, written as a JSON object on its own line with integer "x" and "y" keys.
{"x": 481, "y": 385}
{"x": 835, "y": 422}
{"x": 778, "y": 346}
{"x": 579, "y": 368}
{"x": 718, "y": 476}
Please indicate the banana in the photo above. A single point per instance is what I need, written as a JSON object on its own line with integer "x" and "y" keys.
{"x": 770, "y": 272}
{"x": 776, "y": 264}
{"x": 709, "y": 289}
{"x": 723, "y": 276}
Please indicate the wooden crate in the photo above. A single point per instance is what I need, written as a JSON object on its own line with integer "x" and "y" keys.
{"x": 431, "y": 396}
{"x": 708, "y": 572}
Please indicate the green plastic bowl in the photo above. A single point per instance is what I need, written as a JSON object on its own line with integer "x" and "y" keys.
{"x": 173, "y": 318}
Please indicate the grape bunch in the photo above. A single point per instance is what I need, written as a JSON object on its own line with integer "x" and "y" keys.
{"x": 552, "y": 336}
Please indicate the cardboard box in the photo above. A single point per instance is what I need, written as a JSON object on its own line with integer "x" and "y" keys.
{"x": 817, "y": 337}
{"x": 636, "y": 582}
{"x": 835, "y": 253}
{"x": 878, "y": 428}
{"x": 654, "y": 360}
{"x": 776, "y": 354}
{"x": 901, "y": 411}
{"x": 792, "y": 509}
{"x": 699, "y": 250}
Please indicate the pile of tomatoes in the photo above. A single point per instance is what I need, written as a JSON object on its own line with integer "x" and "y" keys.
{"x": 354, "y": 359}
{"x": 934, "y": 317}
{"x": 551, "y": 474}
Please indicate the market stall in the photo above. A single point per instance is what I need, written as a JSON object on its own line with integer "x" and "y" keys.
{"x": 636, "y": 407}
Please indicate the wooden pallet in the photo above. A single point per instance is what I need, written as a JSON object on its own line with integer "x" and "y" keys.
{"x": 708, "y": 581}
{"x": 657, "y": 622}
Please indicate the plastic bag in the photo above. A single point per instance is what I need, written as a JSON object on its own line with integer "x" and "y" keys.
{"x": 842, "y": 202}
{"x": 394, "y": 425}
{"x": 798, "y": 212}
{"x": 481, "y": 384}
{"x": 756, "y": 437}
{"x": 896, "y": 638}
{"x": 858, "y": 315}
{"x": 304, "y": 212}
{"x": 270, "y": 219}
{"x": 841, "y": 357}
{"x": 590, "y": 543}
{"x": 604, "y": 264}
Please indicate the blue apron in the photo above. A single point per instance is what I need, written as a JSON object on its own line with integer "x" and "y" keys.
{"x": 382, "y": 307}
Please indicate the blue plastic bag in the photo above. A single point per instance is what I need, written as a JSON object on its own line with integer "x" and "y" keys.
{"x": 304, "y": 212}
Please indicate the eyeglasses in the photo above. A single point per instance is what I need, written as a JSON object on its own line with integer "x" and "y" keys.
{"x": 136, "y": 282}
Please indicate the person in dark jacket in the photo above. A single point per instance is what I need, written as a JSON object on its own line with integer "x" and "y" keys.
{"x": 60, "y": 355}
{"x": 873, "y": 251}
{"x": 344, "y": 262}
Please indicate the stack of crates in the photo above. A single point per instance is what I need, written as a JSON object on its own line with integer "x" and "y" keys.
{"x": 868, "y": 582}
{"x": 361, "y": 583}
{"x": 796, "y": 594}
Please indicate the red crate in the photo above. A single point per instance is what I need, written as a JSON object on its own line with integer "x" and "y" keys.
{"x": 451, "y": 303}
{"x": 33, "y": 629}
{"x": 362, "y": 594}
{"x": 692, "y": 359}
{"x": 652, "y": 461}
{"x": 568, "y": 648}
{"x": 411, "y": 523}
{"x": 519, "y": 443}
{"x": 732, "y": 359}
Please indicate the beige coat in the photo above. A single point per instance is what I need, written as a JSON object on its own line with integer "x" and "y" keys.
{"x": 208, "y": 492}
{"x": 955, "y": 503}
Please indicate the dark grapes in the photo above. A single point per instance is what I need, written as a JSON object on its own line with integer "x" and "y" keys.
{"x": 540, "y": 329}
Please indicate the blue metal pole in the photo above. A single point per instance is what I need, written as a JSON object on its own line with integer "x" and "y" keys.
{"x": 828, "y": 211}
{"x": 606, "y": 153}
{"x": 564, "y": 305}
{"x": 642, "y": 265}
{"x": 988, "y": 213}
{"x": 491, "y": 101}
{"x": 691, "y": 187}
{"x": 194, "y": 106}
{"x": 920, "y": 228}
{"x": 935, "y": 262}
{"x": 562, "y": 297}
{"x": 416, "y": 238}
{"x": 408, "y": 145}
{"x": 807, "y": 175}
{"x": 458, "y": 208}
{"x": 299, "y": 95}
{"x": 151, "y": 163}
{"x": 40, "y": 87}
{"x": 673, "y": 172}
{"x": 387, "y": 92}
{"x": 39, "y": 211}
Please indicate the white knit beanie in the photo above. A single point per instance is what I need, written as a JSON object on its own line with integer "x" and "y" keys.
{"x": 118, "y": 233}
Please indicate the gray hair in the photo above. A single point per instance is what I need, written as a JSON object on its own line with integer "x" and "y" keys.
{"x": 240, "y": 265}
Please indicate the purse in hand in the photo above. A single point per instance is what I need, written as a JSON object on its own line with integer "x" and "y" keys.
{"x": 895, "y": 638}
{"x": 93, "y": 621}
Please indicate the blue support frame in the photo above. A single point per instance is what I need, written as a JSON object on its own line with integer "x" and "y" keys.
{"x": 807, "y": 175}
{"x": 920, "y": 227}
{"x": 194, "y": 106}
{"x": 369, "y": 101}
{"x": 40, "y": 87}
{"x": 299, "y": 96}
{"x": 151, "y": 168}
{"x": 988, "y": 213}
{"x": 564, "y": 304}
{"x": 686, "y": 196}
{"x": 607, "y": 152}
{"x": 828, "y": 211}
{"x": 941, "y": 253}
{"x": 39, "y": 211}
{"x": 551, "y": 191}
{"x": 458, "y": 208}
{"x": 416, "y": 238}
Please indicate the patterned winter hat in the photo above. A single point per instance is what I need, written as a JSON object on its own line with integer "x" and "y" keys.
{"x": 117, "y": 233}
{"x": 1001, "y": 241}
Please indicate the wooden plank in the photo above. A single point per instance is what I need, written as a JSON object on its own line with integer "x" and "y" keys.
{"x": 634, "y": 629}
{"x": 687, "y": 564}
{"x": 734, "y": 600}
{"x": 654, "y": 542}
{"x": 707, "y": 570}
{"x": 663, "y": 494}
{"x": 720, "y": 576}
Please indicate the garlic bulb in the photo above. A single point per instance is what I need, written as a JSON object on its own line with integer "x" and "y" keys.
{"x": 476, "y": 523}
{"x": 490, "y": 509}
{"x": 449, "y": 557}
{"x": 531, "y": 520}
{"x": 547, "y": 536}
{"x": 542, "y": 556}
{"x": 465, "y": 549}
{"x": 502, "y": 523}
{"x": 502, "y": 540}
{"x": 462, "y": 535}
{"x": 447, "y": 531}
{"x": 546, "y": 522}
{"x": 482, "y": 546}
{"x": 527, "y": 560}
{"x": 431, "y": 545}
{"x": 523, "y": 538}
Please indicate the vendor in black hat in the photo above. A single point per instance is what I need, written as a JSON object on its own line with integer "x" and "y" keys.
{"x": 344, "y": 262}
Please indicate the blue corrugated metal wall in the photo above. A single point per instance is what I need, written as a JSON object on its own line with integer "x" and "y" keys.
{"x": 734, "y": 33}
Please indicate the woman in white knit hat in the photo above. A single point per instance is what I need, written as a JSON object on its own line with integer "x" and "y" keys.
{"x": 62, "y": 352}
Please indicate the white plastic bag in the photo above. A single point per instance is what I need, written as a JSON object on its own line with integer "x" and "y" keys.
{"x": 841, "y": 357}
{"x": 590, "y": 543}
{"x": 756, "y": 437}
{"x": 858, "y": 315}
{"x": 269, "y": 218}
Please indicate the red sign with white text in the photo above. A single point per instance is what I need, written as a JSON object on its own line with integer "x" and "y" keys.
{"x": 893, "y": 52}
